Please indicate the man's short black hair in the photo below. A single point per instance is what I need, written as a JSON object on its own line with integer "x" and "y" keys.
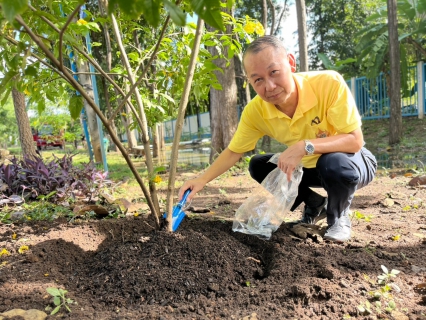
{"x": 263, "y": 42}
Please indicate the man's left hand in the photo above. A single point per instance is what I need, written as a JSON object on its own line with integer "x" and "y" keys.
{"x": 290, "y": 158}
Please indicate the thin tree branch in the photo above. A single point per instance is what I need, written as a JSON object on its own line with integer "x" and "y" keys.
{"x": 98, "y": 68}
{"x": 281, "y": 16}
{"x": 92, "y": 104}
{"x": 138, "y": 82}
{"x": 273, "y": 17}
{"x": 62, "y": 31}
{"x": 14, "y": 42}
{"x": 180, "y": 118}
{"x": 417, "y": 45}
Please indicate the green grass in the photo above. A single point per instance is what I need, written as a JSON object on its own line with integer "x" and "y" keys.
{"x": 375, "y": 134}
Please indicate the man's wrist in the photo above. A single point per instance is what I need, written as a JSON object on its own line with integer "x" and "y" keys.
{"x": 309, "y": 148}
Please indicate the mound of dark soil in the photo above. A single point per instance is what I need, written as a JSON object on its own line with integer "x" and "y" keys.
{"x": 124, "y": 269}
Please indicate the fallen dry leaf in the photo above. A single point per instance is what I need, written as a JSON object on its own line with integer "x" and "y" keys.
{"x": 416, "y": 181}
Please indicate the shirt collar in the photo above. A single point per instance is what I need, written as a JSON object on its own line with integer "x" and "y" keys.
{"x": 307, "y": 100}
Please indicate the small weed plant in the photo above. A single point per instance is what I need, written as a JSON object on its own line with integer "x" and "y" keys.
{"x": 358, "y": 216}
{"x": 386, "y": 276}
{"x": 382, "y": 294}
{"x": 59, "y": 300}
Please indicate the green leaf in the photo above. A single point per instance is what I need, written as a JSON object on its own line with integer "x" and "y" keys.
{"x": 216, "y": 85}
{"x": 167, "y": 97}
{"x": 327, "y": 63}
{"x": 62, "y": 292}
{"x": 176, "y": 13}
{"x": 55, "y": 311}
{"x": 75, "y": 106}
{"x": 6, "y": 97}
{"x": 7, "y": 77}
{"x": 94, "y": 26}
{"x": 31, "y": 71}
{"x": 11, "y": 8}
{"x": 130, "y": 8}
{"x": 133, "y": 56}
{"x": 395, "y": 272}
{"x": 385, "y": 270}
{"x": 151, "y": 12}
{"x": 209, "y": 11}
{"x": 50, "y": 96}
{"x": 57, "y": 301}
{"x": 209, "y": 43}
{"x": 53, "y": 292}
{"x": 392, "y": 304}
{"x": 230, "y": 4}
{"x": 159, "y": 169}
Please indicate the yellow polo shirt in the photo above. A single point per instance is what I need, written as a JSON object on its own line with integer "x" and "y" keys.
{"x": 325, "y": 108}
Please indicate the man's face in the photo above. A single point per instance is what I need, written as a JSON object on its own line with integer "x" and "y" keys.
{"x": 269, "y": 73}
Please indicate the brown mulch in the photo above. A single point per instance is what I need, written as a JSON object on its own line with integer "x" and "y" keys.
{"x": 124, "y": 269}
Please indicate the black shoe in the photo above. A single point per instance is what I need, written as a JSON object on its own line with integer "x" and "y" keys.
{"x": 340, "y": 231}
{"x": 313, "y": 215}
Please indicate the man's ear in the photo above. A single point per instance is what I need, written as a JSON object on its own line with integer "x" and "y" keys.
{"x": 292, "y": 61}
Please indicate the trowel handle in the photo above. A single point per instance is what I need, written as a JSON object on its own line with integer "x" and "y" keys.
{"x": 185, "y": 196}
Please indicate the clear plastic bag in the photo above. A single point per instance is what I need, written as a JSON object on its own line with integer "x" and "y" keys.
{"x": 263, "y": 212}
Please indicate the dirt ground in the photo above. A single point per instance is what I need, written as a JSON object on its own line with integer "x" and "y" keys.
{"x": 124, "y": 269}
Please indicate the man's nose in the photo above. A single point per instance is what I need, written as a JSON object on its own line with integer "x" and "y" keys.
{"x": 270, "y": 85}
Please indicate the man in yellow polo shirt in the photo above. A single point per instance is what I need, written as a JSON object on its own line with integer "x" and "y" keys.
{"x": 315, "y": 115}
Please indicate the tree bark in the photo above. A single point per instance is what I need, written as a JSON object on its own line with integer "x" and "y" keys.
{"x": 266, "y": 140}
{"x": 131, "y": 139}
{"x": 180, "y": 119}
{"x": 155, "y": 141}
{"x": 113, "y": 147}
{"x": 264, "y": 13}
{"x": 86, "y": 82}
{"x": 301, "y": 30}
{"x": 25, "y": 134}
{"x": 223, "y": 104}
{"x": 395, "y": 123}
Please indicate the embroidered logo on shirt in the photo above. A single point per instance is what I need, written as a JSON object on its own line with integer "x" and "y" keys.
{"x": 322, "y": 134}
{"x": 315, "y": 120}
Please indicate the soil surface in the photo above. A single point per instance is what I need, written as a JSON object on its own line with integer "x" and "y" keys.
{"x": 125, "y": 269}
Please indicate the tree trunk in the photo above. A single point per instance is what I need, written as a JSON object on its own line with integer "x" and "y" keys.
{"x": 395, "y": 123}
{"x": 180, "y": 119}
{"x": 131, "y": 139}
{"x": 112, "y": 147}
{"x": 25, "y": 134}
{"x": 301, "y": 30}
{"x": 86, "y": 83}
{"x": 131, "y": 136}
{"x": 155, "y": 141}
{"x": 162, "y": 144}
{"x": 264, "y": 14}
{"x": 223, "y": 105}
{"x": 266, "y": 140}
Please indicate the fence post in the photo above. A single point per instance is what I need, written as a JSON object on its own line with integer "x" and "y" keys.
{"x": 420, "y": 89}
{"x": 353, "y": 87}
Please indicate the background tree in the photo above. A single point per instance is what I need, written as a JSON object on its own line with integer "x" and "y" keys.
{"x": 301, "y": 30}
{"x": 333, "y": 27}
{"x": 395, "y": 124}
{"x": 223, "y": 102}
{"x": 25, "y": 134}
{"x": 56, "y": 25}
{"x": 8, "y": 126}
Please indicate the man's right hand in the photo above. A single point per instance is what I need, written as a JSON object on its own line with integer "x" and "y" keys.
{"x": 195, "y": 185}
{"x": 225, "y": 161}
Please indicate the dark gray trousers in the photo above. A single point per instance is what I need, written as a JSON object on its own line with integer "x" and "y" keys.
{"x": 340, "y": 174}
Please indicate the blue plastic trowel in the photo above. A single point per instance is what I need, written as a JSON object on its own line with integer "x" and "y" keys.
{"x": 178, "y": 214}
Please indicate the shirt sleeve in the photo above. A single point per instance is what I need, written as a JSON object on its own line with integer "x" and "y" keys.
{"x": 247, "y": 135}
{"x": 343, "y": 113}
